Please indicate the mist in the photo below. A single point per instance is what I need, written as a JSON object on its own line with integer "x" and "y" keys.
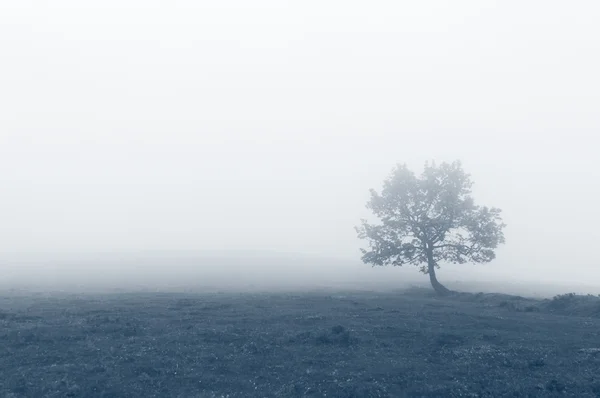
{"x": 209, "y": 131}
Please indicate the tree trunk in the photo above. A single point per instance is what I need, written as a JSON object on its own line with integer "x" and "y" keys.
{"x": 437, "y": 286}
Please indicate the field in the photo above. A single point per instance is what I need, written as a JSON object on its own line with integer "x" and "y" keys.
{"x": 336, "y": 344}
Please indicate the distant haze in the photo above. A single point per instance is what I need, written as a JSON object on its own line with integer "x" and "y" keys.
{"x": 137, "y": 126}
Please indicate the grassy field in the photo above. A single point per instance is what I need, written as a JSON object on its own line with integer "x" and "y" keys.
{"x": 335, "y": 344}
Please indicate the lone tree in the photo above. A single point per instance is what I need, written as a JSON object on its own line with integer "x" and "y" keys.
{"x": 430, "y": 219}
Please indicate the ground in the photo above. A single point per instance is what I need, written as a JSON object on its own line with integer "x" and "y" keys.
{"x": 335, "y": 344}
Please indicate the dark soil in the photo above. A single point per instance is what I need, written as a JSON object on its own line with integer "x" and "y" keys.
{"x": 404, "y": 344}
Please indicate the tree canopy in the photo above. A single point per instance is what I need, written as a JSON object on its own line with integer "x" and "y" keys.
{"x": 429, "y": 219}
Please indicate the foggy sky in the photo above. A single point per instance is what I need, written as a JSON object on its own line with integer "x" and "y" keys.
{"x": 137, "y": 125}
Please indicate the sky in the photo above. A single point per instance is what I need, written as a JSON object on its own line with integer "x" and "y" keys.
{"x": 176, "y": 125}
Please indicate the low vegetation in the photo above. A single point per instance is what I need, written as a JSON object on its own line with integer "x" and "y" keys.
{"x": 411, "y": 344}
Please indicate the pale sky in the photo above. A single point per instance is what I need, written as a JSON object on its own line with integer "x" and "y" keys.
{"x": 137, "y": 125}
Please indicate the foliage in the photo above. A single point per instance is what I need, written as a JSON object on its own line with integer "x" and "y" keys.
{"x": 429, "y": 219}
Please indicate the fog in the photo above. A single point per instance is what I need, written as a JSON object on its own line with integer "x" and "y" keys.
{"x": 208, "y": 130}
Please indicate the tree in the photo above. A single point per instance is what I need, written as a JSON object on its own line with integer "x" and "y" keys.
{"x": 430, "y": 219}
